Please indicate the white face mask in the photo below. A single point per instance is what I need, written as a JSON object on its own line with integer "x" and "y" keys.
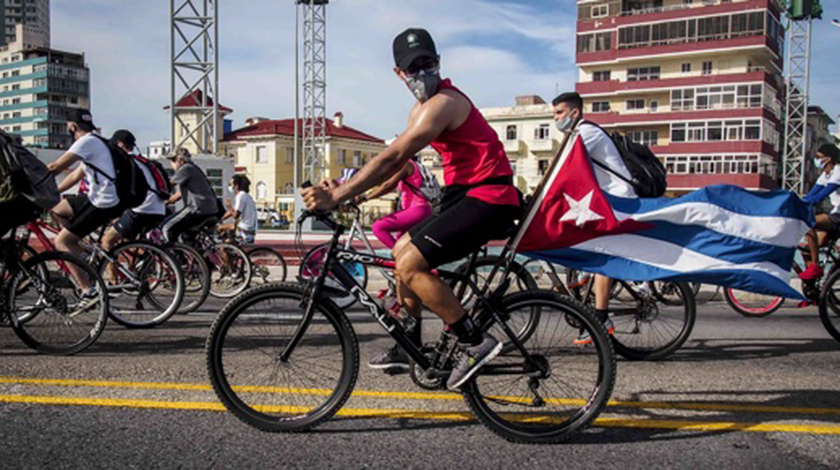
{"x": 565, "y": 124}
{"x": 230, "y": 188}
{"x": 819, "y": 163}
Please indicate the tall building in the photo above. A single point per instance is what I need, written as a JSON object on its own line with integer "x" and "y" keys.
{"x": 34, "y": 14}
{"x": 697, "y": 80}
{"x": 39, "y": 89}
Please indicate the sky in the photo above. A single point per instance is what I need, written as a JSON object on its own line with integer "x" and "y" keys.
{"x": 494, "y": 50}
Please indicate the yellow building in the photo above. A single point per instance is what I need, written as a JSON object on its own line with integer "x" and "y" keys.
{"x": 264, "y": 151}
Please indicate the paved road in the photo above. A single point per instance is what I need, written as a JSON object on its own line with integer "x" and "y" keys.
{"x": 748, "y": 393}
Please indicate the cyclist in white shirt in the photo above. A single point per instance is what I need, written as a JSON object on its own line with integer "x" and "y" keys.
{"x": 827, "y": 186}
{"x": 568, "y": 111}
{"x": 80, "y": 215}
{"x": 243, "y": 210}
{"x": 139, "y": 220}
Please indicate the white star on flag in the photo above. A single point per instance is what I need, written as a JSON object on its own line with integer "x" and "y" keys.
{"x": 579, "y": 210}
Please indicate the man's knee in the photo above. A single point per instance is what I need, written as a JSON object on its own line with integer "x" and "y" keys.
{"x": 409, "y": 262}
{"x": 111, "y": 238}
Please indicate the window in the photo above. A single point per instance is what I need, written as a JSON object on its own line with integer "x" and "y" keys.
{"x": 600, "y": 11}
{"x": 215, "y": 176}
{"x": 594, "y": 42}
{"x": 654, "y": 106}
{"x": 643, "y": 73}
{"x": 15, "y": 73}
{"x": 707, "y": 68}
{"x": 290, "y": 155}
{"x": 600, "y": 106}
{"x": 357, "y": 158}
{"x": 602, "y": 76}
{"x": 752, "y": 129}
{"x": 542, "y": 167}
{"x": 719, "y": 164}
{"x": 634, "y": 105}
{"x": 262, "y": 191}
{"x": 686, "y": 67}
{"x": 15, "y": 128}
{"x": 644, "y": 137}
{"x": 15, "y": 100}
{"x": 721, "y": 131}
{"x": 510, "y": 132}
{"x": 262, "y": 154}
{"x": 542, "y": 132}
{"x": 342, "y": 157}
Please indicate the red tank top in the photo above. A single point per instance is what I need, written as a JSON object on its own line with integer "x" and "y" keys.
{"x": 473, "y": 153}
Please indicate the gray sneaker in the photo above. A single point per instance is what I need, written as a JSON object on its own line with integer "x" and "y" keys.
{"x": 472, "y": 358}
{"x": 391, "y": 358}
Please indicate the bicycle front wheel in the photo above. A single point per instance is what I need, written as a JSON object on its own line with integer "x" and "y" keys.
{"x": 46, "y": 308}
{"x": 830, "y": 305}
{"x": 145, "y": 284}
{"x": 230, "y": 270}
{"x": 752, "y": 305}
{"x": 519, "y": 402}
{"x": 268, "y": 266}
{"x": 196, "y": 276}
{"x": 252, "y": 379}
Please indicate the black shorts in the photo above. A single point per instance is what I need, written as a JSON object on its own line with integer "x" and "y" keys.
{"x": 132, "y": 224}
{"x": 461, "y": 228}
{"x": 87, "y": 217}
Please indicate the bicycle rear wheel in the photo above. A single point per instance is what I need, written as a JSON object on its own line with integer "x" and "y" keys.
{"x": 145, "y": 284}
{"x": 752, "y": 305}
{"x": 48, "y": 313}
{"x": 196, "y": 276}
{"x": 244, "y": 363}
{"x": 521, "y": 405}
{"x": 646, "y": 328}
{"x": 268, "y": 266}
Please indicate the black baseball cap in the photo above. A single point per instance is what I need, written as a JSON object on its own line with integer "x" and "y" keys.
{"x": 83, "y": 119}
{"x": 126, "y": 137}
{"x": 411, "y": 44}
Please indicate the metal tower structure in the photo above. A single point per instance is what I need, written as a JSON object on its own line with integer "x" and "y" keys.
{"x": 801, "y": 14}
{"x": 194, "y": 36}
{"x": 314, "y": 88}
{"x": 797, "y": 80}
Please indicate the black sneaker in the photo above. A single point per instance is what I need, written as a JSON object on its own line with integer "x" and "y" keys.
{"x": 472, "y": 358}
{"x": 391, "y": 358}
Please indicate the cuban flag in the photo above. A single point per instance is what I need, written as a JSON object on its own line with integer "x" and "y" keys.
{"x": 346, "y": 174}
{"x": 720, "y": 235}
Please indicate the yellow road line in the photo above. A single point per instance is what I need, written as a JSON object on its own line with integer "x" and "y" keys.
{"x": 677, "y": 425}
{"x": 688, "y": 406}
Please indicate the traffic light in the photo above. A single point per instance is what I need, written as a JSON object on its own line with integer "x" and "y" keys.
{"x": 804, "y": 9}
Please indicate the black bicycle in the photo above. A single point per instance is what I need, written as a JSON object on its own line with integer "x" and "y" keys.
{"x": 284, "y": 357}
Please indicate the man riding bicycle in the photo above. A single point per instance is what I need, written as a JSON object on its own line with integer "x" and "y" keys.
{"x": 194, "y": 188}
{"x": 568, "y": 112}
{"x": 480, "y": 202}
{"x": 82, "y": 214}
{"x": 827, "y": 186}
{"x": 243, "y": 211}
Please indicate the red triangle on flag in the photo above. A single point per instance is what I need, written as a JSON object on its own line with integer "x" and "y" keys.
{"x": 573, "y": 209}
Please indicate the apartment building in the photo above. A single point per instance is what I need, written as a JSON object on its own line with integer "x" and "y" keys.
{"x": 34, "y": 14}
{"x": 700, "y": 81}
{"x": 39, "y": 89}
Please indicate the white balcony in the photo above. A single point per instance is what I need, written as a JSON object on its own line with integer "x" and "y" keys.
{"x": 514, "y": 146}
{"x": 543, "y": 145}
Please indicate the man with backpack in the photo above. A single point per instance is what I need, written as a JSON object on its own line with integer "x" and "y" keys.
{"x": 194, "y": 188}
{"x": 148, "y": 215}
{"x": 82, "y": 214}
{"x": 612, "y": 174}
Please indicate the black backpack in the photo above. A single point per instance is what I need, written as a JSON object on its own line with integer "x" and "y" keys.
{"x": 23, "y": 174}
{"x": 647, "y": 173}
{"x": 130, "y": 182}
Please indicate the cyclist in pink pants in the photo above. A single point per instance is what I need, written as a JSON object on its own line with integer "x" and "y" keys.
{"x": 414, "y": 208}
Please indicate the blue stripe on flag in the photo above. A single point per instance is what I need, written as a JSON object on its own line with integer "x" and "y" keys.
{"x": 622, "y": 268}
{"x": 732, "y": 198}
{"x": 721, "y": 246}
